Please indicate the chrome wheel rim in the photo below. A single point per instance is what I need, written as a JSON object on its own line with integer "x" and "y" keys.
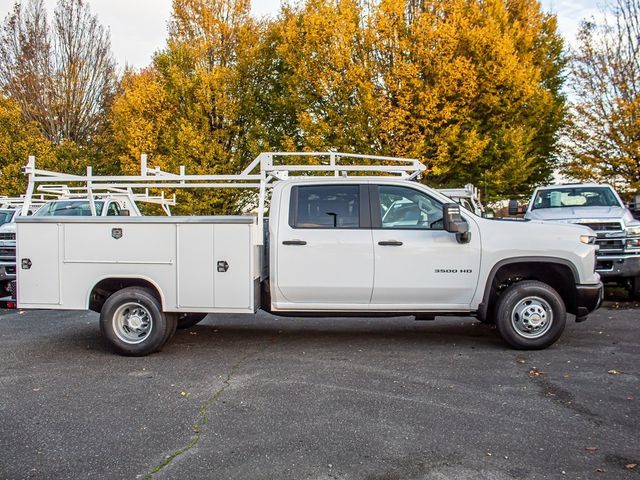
{"x": 532, "y": 317}
{"x": 132, "y": 323}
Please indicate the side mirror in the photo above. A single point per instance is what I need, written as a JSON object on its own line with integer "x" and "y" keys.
{"x": 124, "y": 213}
{"x": 454, "y": 223}
{"x": 513, "y": 207}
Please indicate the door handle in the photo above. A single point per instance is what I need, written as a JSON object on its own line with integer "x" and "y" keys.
{"x": 294, "y": 242}
{"x": 390, "y": 243}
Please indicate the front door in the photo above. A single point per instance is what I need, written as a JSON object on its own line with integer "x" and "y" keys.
{"x": 325, "y": 250}
{"x": 417, "y": 263}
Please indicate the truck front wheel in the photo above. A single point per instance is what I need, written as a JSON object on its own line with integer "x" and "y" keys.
{"x": 530, "y": 315}
{"x": 133, "y": 321}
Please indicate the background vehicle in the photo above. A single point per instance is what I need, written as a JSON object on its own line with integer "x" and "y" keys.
{"x": 10, "y": 209}
{"x": 57, "y": 200}
{"x": 468, "y": 197}
{"x": 333, "y": 247}
{"x": 634, "y": 206}
{"x": 599, "y": 207}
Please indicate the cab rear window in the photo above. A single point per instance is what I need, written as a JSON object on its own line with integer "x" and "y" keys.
{"x": 325, "y": 206}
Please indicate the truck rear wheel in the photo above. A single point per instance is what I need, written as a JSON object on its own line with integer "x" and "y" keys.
{"x": 133, "y": 321}
{"x": 530, "y": 315}
{"x": 188, "y": 320}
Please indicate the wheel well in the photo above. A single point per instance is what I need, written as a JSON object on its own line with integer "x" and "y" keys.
{"x": 557, "y": 275}
{"x": 107, "y": 287}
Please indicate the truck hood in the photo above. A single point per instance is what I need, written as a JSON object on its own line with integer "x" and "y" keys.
{"x": 580, "y": 213}
{"x": 8, "y": 228}
{"x": 512, "y": 226}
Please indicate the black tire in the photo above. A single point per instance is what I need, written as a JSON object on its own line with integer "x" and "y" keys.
{"x": 188, "y": 320}
{"x": 133, "y": 322}
{"x": 172, "y": 325}
{"x": 634, "y": 288}
{"x": 530, "y": 315}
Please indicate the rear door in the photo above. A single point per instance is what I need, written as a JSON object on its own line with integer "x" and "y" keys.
{"x": 418, "y": 263}
{"x": 325, "y": 249}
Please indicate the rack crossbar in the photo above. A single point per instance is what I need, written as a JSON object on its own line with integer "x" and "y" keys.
{"x": 262, "y": 173}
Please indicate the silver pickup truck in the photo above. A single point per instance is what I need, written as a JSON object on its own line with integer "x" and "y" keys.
{"x": 599, "y": 207}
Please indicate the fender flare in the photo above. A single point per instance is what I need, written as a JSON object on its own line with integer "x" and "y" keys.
{"x": 127, "y": 277}
{"x": 484, "y": 305}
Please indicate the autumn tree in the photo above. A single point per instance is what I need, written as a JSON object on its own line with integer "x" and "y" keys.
{"x": 18, "y": 140}
{"x": 471, "y": 88}
{"x": 189, "y": 108}
{"x": 604, "y": 132}
{"x": 61, "y": 73}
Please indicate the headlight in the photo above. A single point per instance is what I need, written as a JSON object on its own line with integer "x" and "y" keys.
{"x": 588, "y": 239}
{"x": 633, "y": 237}
{"x": 633, "y": 231}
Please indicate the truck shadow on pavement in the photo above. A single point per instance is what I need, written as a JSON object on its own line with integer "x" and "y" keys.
{"x": 321, "y": 333}
{"x": 244, "y": 332}
{"x": 69, "y": 331}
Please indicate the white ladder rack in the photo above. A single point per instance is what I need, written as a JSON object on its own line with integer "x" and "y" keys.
{"x": 261, "y": 174}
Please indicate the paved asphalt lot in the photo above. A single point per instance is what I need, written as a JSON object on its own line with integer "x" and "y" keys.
{"x": 267, "y": 398}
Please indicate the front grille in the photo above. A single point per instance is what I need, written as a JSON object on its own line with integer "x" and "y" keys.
{"x": 610, "y": 246}
{"x": 7, "y": 236}
{"x": 601, "y": 226}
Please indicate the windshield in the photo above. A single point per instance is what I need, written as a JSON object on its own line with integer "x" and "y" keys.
{"x": 6, "y": 216}
{"x": 62, "y": 208}
{"x": 575, "y": 197}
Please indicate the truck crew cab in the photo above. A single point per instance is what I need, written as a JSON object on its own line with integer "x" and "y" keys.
{"x": 378, "y": 243}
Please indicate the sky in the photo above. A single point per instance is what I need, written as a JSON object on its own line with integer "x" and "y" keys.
{"x": 139, "y": 27}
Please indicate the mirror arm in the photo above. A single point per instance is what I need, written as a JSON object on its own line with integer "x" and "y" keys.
{"x": 463, "y": 237}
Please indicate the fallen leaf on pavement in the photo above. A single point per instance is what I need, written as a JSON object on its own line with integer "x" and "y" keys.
{"x": 534, "y": 372}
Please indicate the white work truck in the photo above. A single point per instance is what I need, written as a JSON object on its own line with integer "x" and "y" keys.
{"x": 375, "y": 243}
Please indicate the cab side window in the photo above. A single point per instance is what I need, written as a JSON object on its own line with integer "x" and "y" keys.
{"x": 406, "y": 208}
{"x": 113, "y": 209}
{"x": 325, "y": 206}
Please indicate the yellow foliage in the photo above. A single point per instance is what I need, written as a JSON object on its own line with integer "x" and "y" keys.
{"x": 471, "y": 87}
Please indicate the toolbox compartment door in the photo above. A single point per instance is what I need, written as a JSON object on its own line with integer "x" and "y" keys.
{"x": 38, "y": 263}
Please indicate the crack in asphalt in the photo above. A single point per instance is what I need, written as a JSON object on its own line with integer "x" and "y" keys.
{"x": 204, "y": 414}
